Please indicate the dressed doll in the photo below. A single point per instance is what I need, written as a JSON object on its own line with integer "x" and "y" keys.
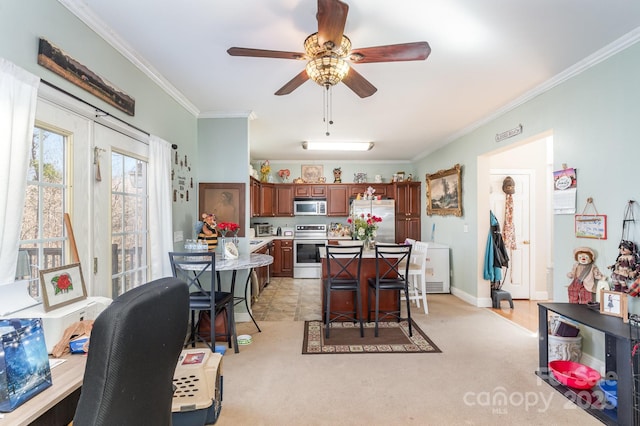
{"x": 626, "y": 267}
{"x": 208, "y": 231}
{"x": 584, "y": 276}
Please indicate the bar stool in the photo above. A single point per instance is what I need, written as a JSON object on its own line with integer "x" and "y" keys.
{"x": 392, "y": 273}
{"x": 341, "y": 263}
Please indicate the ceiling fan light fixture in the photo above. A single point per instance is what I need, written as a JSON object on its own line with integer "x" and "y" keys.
{"x": 313, "y": 48}
{"x": 337, "y": 146}
{"x": 327, "y": 70}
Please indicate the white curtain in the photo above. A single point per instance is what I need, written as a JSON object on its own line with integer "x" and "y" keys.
{"x": 160, "y": 209}
{"x": 18, "y": 98}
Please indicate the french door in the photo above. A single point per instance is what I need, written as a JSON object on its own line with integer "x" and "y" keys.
{"x": 121, "y": 232}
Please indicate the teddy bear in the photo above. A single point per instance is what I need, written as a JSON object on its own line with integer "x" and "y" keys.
{"x": 584, "y": 276}
{"x": 209, "y": 233}
{"x": 626, "y": 267}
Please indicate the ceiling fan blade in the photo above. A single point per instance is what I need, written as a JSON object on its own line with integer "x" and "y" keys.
{"x": 293, "y": 84}
{"x": 356, "y": 82}
{"x": 332, "y": 17}
{"x": 417, "y": 51}
{"x": 261, "y": 53}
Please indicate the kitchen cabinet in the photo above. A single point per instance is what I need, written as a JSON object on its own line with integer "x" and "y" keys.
{"x": 267, "y": 195}
{"x": 262, "y": 198}
{"x": 283, "y": 258}
{"x": 264, "y": 272}
{"x": 361, "y": 188}
{"x": 310, "y": 191}
{"x": 408, "y": 222}
{"x": 407, "y": 227}
{"x": 338, "y": 200}
{"x": 283, "y": 200}
{"x": 255, "y": 197}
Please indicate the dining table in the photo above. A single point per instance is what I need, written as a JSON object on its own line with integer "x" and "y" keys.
{"x": 245, "y": 261}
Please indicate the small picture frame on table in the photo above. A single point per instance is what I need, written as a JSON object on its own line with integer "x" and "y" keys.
{"x": 614, "y": 303}
{"x": 61, "y": 286}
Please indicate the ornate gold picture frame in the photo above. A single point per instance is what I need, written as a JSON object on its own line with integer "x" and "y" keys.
{"x": 444, "y": 192}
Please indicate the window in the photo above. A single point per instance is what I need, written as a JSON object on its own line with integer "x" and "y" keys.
{"x": 129, "y": 227}
{"x": 42, "y": 235}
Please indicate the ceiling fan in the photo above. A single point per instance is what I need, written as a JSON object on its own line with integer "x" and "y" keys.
{"x": 328, "y": 51}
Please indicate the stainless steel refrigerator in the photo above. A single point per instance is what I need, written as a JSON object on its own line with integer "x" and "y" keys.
{"x": 385, "y": 209}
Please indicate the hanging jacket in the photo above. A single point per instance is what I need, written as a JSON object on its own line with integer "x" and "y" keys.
{"x": 496, "y": 256}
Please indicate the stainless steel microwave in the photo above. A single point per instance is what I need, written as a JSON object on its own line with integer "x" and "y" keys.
{"x": 310, "y": 207}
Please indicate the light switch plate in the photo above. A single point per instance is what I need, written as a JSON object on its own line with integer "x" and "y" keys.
{"x": 178, "y": 236}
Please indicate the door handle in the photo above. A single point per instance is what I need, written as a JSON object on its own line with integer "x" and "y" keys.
{"x": 526, "y": 242}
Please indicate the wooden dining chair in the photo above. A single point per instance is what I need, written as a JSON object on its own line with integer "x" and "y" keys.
{"x": 198, "y": 271}
{"x": 343, "y": 274}
{"x": 392, "y": 274}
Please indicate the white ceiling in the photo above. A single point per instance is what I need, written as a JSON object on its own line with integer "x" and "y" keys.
{"x": 487, "y": 56}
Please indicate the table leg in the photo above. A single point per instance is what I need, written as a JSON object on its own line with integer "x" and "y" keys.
{"x": 246, "y": 299}
{"x": 543, "y": 342}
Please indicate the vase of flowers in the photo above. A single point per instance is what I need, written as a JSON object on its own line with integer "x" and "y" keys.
{"x": 364, "y": 228}
{"x": 226, "y": 228}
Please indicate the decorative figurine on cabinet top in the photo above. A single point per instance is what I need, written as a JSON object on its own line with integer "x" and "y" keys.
{"x": 584, "y": 276}
{"x": 337, "y": 175}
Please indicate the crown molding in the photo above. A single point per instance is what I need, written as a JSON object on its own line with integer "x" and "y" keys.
{"x": 251, "y": 115}
{"x": 86, "y": 15}
{"x": 601, "y": 55}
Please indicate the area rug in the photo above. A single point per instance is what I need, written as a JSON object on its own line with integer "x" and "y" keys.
{"x": 393, "y": 337}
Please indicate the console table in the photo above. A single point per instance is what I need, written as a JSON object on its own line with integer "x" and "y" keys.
{"x": 617, "y": 360}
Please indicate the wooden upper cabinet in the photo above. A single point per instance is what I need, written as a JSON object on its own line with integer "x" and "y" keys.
{"x": 337, "y": 200}
{"x": 408, "y": 199}
{"x": 284, "y": 200}
{"x": 267, "y": 195}
{"x": 255, "y": 197}
{"x": 310, "y": 191}
{"x": 361, "y": 188}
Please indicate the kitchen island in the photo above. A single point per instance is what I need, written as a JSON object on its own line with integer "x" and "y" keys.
{"x": 345, "y": 300}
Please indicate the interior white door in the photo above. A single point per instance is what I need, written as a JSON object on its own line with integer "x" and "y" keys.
{"x": 517, "y": 279}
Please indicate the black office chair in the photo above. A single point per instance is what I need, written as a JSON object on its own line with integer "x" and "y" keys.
{"x": 392, "y": 273}
{"x": 197, "y": 269}
{"x": 341, "y": 262}
{"x": 134, "y": 348}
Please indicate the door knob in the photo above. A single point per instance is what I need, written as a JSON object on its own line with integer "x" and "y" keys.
{"x": 526, "y": 242}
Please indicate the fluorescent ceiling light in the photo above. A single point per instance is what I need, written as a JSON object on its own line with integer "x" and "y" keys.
{"x": 337, "y": 146}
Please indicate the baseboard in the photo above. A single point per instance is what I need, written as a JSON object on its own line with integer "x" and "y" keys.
{"x": 242, "y": 316}
{"x": 592, "y": 362}
{"x": 480, "y": 302}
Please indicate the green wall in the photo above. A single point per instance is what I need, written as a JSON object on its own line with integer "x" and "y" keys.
{"x": 23, "y": 22}
{"x": 592, "y": 118}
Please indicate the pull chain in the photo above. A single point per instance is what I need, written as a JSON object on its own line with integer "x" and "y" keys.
{"x": 328, "y": 108}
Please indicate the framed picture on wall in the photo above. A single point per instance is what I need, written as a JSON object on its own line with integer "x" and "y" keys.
{"x": 225, "y": 200}
{"x": 591, "y": 226}
{"x": 444, "y": 192}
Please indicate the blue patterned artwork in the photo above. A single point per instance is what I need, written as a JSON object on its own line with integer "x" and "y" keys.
{"x": 24, "y": 362}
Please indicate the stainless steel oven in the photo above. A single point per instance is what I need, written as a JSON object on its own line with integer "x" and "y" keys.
{"x": 307, "y": 241}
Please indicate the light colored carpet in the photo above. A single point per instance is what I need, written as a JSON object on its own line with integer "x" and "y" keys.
{"x": 484, "y": 376}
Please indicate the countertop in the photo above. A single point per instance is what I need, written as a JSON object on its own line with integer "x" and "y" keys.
{"x": 259, "y": 242}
